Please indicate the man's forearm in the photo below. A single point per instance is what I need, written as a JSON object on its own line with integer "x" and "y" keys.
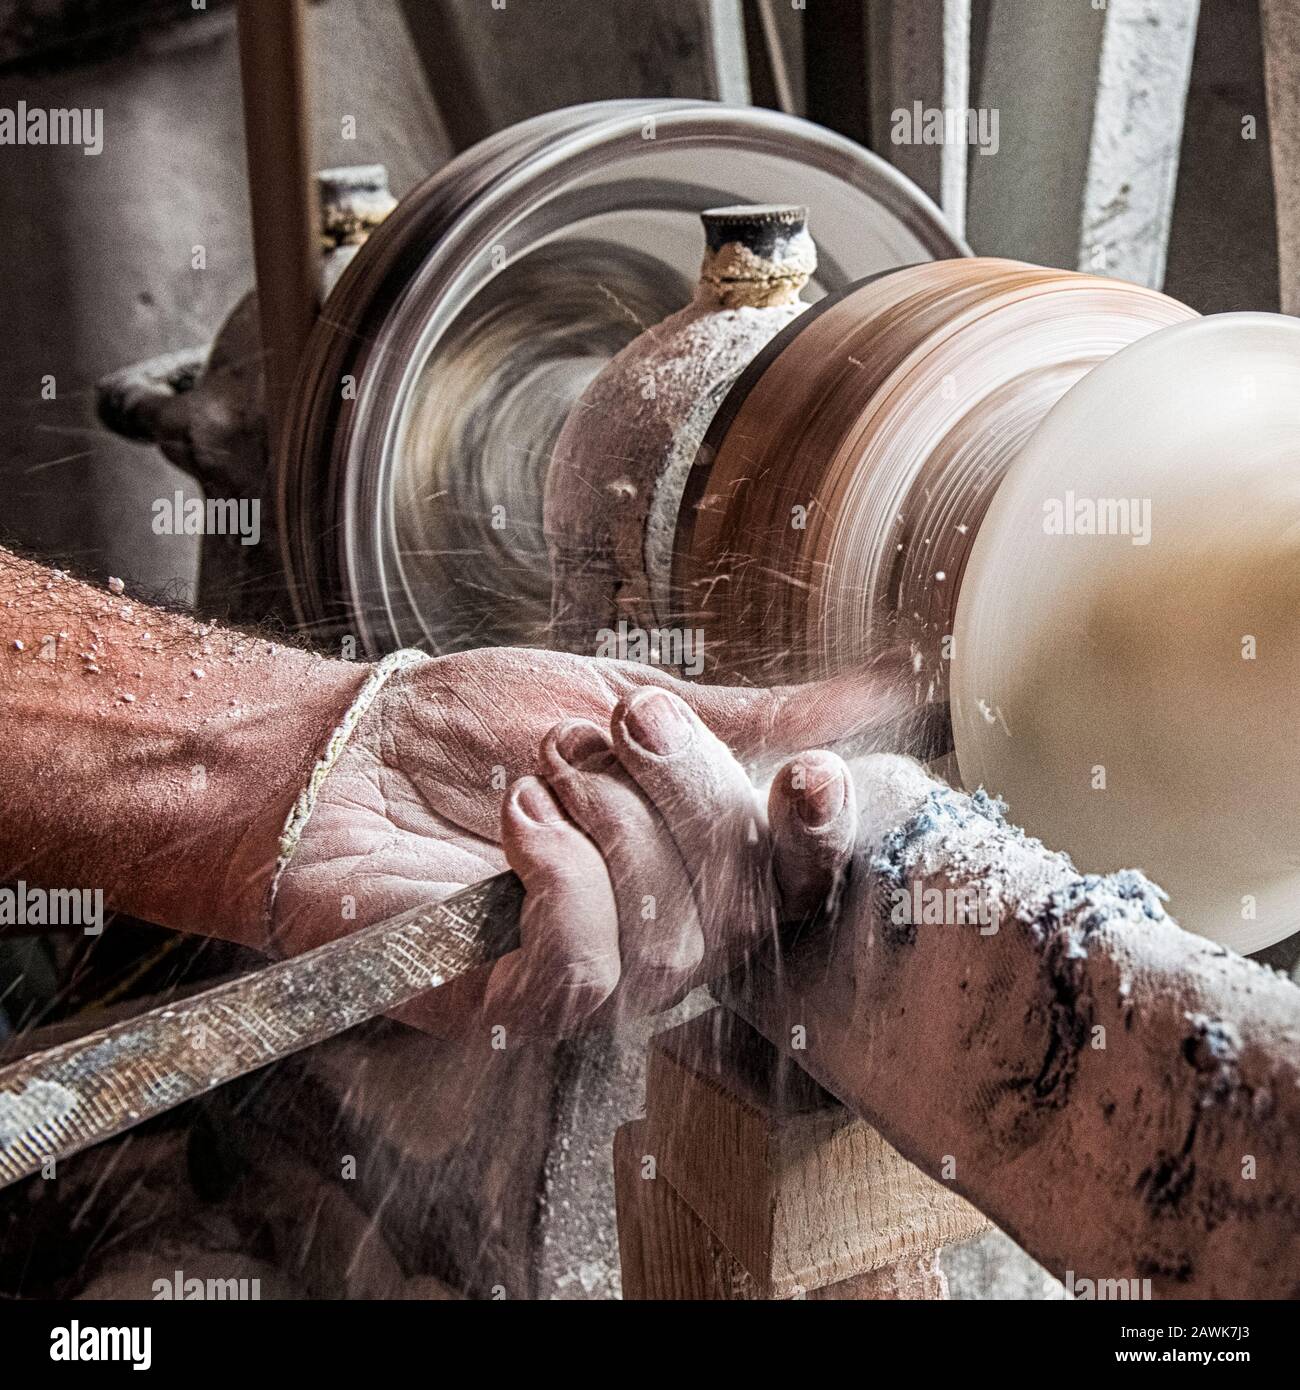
{"x": 148, "y": 754}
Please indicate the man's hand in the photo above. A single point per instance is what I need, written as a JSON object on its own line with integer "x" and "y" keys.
{"x": 156, "y": 758}
{"x": 613, "y": 791}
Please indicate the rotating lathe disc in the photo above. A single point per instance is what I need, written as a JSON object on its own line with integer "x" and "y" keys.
{"x": 838, "y": 490}
{"x": 453, "y": 346}
{"x": 1127, "y": 668}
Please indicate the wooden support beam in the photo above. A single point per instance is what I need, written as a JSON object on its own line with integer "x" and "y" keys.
{"x": 1090, "y": 112}
{"x": 747, "y": 1181}
{"x": 665, "y": 1250}
{"x": 1280, "y": 20}
{"x": 919, "y": 57}
{"x": 669, "y": 1253}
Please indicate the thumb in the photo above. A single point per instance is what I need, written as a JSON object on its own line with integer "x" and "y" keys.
{"x": 812, "y": 815}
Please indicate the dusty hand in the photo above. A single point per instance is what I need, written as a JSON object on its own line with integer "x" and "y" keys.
{"x": 647, "y": 871}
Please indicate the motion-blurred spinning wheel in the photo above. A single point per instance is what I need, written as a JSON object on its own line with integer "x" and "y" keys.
{"x": 450, "y": 352}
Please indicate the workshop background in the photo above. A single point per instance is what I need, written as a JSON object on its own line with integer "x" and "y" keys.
{"x": 98, "y": 266}
{"x": 1153, "y": 160}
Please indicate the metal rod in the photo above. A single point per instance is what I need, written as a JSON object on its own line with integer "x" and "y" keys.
{"x": 286, "y": 231}
{"x": 776, "y": 59}
{"x": 54, "y": 1104}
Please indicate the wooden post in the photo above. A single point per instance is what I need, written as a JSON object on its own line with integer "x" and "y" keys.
{"x": 747, "y": 1181}
{"x": 1089, "y": 103}
{"x": 919, "y": 54}
{"x": 1281, "y": 35}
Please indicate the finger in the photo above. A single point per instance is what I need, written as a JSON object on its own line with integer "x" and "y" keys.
{"x": 660, "y": 940}
{"x": 812, "y": 813}
{"x": 707, "y": 802}
{"x": 568, "y": 961}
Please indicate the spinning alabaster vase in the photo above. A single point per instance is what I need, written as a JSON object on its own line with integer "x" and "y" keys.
{"x": 841, "y": 483}
{"x": 1126, "y": 669}
{"x": 1077, "y": 506}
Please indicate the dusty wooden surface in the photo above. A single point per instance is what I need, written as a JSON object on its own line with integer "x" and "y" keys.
{"x": 669, "y": 1253}
{"x": 747, "y": 1180}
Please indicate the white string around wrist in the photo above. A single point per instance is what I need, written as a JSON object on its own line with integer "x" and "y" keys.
{"x": 301, "y": 811}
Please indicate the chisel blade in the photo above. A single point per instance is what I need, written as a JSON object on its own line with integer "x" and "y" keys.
{"x": 56, "y": 1103}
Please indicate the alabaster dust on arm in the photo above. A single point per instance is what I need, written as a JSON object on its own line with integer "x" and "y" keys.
{"x": 150, "y": 755}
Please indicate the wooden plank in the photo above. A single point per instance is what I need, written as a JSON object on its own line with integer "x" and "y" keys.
{"x": 919, "y": 58}
{"x": 667, "y": 1252}
{"x": 801, "y": 1192}
{"x": 1280, "y": 21}
{"x": 1090, "y": 111}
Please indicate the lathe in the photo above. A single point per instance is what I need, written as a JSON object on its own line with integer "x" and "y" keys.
{"x": 517, "y": 422}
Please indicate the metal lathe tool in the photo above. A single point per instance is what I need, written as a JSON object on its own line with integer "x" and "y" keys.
{"x": 54, "y": 1104}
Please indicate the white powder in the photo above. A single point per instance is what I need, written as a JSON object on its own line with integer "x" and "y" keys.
{"x": 41, "y": 1103}
{"x": 621, "y": 463}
